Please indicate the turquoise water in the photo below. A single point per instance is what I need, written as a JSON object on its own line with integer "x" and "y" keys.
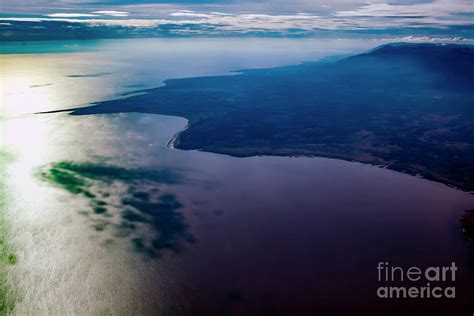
{"x": 242, "y": 235}
{"x": 49, "y": 47}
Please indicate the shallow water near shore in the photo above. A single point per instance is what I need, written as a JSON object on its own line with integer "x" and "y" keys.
{"x": 105, "y": 218}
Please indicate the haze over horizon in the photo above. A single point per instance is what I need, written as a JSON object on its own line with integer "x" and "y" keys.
{"x": 423, "y": 19}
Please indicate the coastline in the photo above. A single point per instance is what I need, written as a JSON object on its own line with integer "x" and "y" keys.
{"x": 174, "y": 141}
{"x": 207, "y": 102}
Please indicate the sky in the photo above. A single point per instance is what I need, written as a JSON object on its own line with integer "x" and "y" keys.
{"x": 240, "y": 16}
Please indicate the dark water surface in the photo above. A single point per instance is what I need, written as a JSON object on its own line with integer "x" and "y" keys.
{"x": 305, "y": 235}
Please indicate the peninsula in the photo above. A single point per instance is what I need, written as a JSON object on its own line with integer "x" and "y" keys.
{"x": 405, "y": 106}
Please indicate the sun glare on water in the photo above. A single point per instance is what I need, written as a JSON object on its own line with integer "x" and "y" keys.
{"x": 61, "y": 263}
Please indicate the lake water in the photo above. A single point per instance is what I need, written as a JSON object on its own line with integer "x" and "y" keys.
{"x": 260, "y": 235}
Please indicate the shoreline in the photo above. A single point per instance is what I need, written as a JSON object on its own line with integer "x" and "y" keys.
{"x": 175, "y": 138}
{"x": 174, "y": 142}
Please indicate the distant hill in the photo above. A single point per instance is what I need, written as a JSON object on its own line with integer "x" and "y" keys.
{"x": 407, "y": 106}
{"x": 450, "y": 62}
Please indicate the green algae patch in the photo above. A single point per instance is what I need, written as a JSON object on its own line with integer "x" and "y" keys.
{"x": 100, "y": 210}
{"x": 77, "y": 178}
{"x": 83, "y": 213}
{"x": 11, "y": 259}
{"x": 108, "y": 173}
{"x": 7, "y": 256}
{"x": 108, "y": 243}
{"x": 142, "y": 207}
{"x": 100, "y": 225}
{"x": 66, "y": 179}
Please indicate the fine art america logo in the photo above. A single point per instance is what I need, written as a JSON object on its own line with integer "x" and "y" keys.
{"x": 414, "y": 282}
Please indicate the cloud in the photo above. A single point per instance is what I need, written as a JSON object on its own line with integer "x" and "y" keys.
{"x": 191, "y": 14}
{"x": 70, "y": 15}
{"x": 424, "y": 39}
{"x": 307, "y": 16}
{"x": 112, "y": 13}
{"x": 88, "y": 15}
{"x": 437, "y": 13}
{"x": 37, "y": 28}
{"x": 221, "y": 13}
{"x": 437, "y": 8}
{"x": 252, "y": 21}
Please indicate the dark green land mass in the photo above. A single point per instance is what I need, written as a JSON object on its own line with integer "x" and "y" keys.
{"x": 407, "y": 106}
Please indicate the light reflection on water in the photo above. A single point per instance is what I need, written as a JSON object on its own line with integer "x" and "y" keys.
{"x": 42, "y": 82}
{"x": 270, "y": 231}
